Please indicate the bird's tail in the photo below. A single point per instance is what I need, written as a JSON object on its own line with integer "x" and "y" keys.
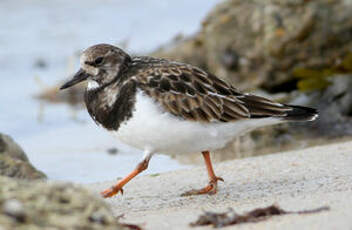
{"x": 260, "y": 107}
{"x": 300, "y": 113}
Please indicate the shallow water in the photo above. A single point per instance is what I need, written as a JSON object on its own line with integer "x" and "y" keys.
{"x": 52, "y": 32}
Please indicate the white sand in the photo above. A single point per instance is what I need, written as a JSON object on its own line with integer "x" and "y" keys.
{"x": 297, "y": 180}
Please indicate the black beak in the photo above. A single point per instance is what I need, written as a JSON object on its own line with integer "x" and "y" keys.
{"x": 81, "y": 75}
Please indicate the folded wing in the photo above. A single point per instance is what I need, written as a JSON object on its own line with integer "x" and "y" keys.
{"x": 192, "y": 94}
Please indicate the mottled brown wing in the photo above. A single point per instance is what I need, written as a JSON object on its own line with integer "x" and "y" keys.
{"x": 190, "y": 93}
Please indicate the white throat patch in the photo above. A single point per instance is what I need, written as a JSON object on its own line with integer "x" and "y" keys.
{"x": 92, "y": 84}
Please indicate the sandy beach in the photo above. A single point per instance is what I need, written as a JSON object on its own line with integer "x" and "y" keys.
{"x": 295, "y": 180}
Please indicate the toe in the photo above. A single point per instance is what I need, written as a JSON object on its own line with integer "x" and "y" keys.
{"x": 216, "y": 179}
{"x": 111, "y": 192}
{"x": 210, "y": 189}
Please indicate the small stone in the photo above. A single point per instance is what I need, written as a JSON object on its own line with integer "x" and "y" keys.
{"x": 15, "y": 209}
{"x": 112, "y": 151}
{"x": 98, "y": 217}
{"x": 40, "y": 63}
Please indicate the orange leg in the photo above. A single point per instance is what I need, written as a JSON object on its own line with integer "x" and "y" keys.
{"x": 118, "y": 187}
{"x": 211, "y": 188}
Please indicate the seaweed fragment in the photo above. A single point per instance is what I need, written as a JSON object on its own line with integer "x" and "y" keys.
{"x": 132, "y": 226}
{"x": 127, "y": 225}
{"x": 259, "y": 214}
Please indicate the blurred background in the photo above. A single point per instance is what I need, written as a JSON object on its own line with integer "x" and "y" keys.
{"x": 297, "y": 52}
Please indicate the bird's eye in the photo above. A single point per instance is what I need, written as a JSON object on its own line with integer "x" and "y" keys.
{"x": 98, "y": 60}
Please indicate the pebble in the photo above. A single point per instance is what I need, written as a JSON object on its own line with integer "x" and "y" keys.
{"x": 15, "y": 209}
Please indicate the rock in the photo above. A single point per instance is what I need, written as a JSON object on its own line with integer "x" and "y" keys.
{"x": 41, "y": 205}
{"x": 14, "y": 162}
{"x": 189, "y": 50}
{"x": 14, "y": 209}
{"x": 19, "y": 169}
{"x": 40, "y": 63}
{"x": 271, "y": 44}
{"x": 112, "y": 151}
{"x": 11, "y": 148}
{"x": 335, "y": 108}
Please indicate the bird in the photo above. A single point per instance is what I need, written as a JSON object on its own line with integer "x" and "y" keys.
{"x": 169, "y": 107}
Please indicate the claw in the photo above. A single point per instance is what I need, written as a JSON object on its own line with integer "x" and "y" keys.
{"x": 118, "y": 187}
{"x": 210, "y": 189}
{"x": 111, "y": 191}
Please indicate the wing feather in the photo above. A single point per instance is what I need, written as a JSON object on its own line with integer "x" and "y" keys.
{"x": 192, "y": 94}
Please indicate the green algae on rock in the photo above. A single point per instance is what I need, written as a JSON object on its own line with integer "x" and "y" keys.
{"x": 260, "y": 44}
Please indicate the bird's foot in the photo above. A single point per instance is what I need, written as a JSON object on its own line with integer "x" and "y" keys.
{"x": 112, "y": 191}
{"x": 210, "y": 189}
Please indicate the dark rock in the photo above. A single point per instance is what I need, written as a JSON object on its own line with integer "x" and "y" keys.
{"x": 335, "y": 108}
{"x": 38, "y": 205}
{"x": 14, "y": 162}
{"x": 112, "y": 151}
{"x": 268, "y": 43}
{"x": 40, "y": 63}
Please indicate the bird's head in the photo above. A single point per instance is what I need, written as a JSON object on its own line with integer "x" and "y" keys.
{"x": 100, "y": 64}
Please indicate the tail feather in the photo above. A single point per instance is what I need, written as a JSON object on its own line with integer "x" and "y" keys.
{"x": 260, "y": 107}
{"x": 301, "y": 113}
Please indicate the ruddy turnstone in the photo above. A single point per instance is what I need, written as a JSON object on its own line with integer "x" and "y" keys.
{"x": 162, "y": 106}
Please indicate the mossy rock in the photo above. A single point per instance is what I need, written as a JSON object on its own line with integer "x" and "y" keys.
{"x": 39, "y": 205}
{"x": 260, "y": 44}
{"x": 14, "y": 162}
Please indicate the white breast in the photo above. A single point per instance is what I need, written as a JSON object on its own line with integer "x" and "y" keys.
{"x": 152, "y": 129}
